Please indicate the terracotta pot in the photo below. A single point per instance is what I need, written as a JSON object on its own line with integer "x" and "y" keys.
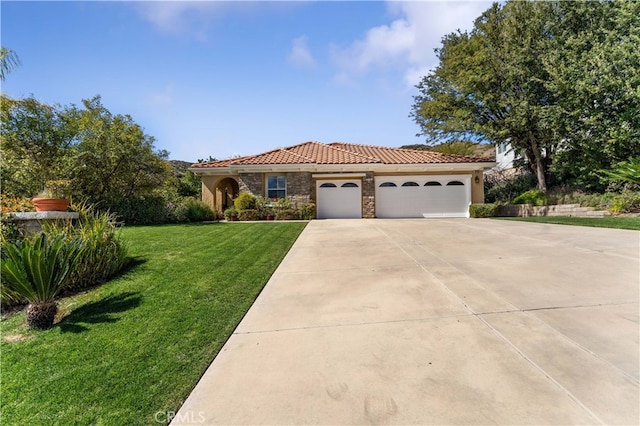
{"x": 233, "y": 218}
{"x": 50, "y": 204}
{"x": 269, "y": 217}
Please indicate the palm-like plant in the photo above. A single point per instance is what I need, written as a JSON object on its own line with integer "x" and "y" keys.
{"x": 8, "y": 61}
{"x": 37, "y": 270}
{"x": 627, "y": 171}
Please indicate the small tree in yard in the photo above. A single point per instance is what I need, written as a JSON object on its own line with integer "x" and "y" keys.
{"x": 37, "y": 270}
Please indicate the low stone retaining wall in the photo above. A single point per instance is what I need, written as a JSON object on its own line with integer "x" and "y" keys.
{"x": 31, "y": 222}
{"x": 524, "y": 210}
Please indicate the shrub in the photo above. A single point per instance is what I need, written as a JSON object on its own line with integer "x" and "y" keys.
{"x": 483, "y": 210}
{"x": 264, "y": 207}
{"x": 138, "y": 209}
{"x": 283, "y": 204}
{"x": 192, "y": 210}
{"x": 287, "y": 214}
{"x": 231, "y": 211}
{"x": 502, "y": 187}
{"x": 598, "y": 201}
{"x": 307, "y": 211}
{"x": 533, "y": 196}
{"x": 245, "y": 201}
{"x": 625, "y": 203}
{"x": 9, "y": 230}
{"x": 104, "y": 253}
{"x": 248, "y": 214}
{"x": 14, "y": 204}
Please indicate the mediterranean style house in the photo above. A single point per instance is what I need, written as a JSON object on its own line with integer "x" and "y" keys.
{"x": 351, "y": 181}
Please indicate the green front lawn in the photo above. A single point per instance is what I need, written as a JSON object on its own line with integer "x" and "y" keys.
{"x": 137, "y": 345}
{"x": 632, "y": 223}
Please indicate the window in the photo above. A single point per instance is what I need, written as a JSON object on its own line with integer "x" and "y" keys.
{"x": 387, "y": 185}
{"x": 276, "y": 186}
{"x": 455, "y": 183}
{"x": 433, "y": 183}
{"x": 410, "y": 184}
{"x": 328, "y": 185}
{"x": 502, "y": 147}
{"x": 349, "y": 185}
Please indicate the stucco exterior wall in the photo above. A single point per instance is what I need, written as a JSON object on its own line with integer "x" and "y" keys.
{"x": 209, "y": 189}
{"x": 477, "y": 189}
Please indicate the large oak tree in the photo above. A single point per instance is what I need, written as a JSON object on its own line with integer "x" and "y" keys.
{"x": 558, "y": 80}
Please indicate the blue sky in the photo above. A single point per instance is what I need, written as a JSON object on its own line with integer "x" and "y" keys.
{"x": 235, "y": 78}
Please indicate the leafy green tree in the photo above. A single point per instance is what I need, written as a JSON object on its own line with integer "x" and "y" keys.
{"x": 558, "y": 80}
{"x": 36, "y": 139}
{"x": 207, "y": 160}
{"x": 190, "y": 185}
{"x": 593, "y": 63}
{"x": 489, "y": 85}
{"x": 8, "y": 62}
{"x": 456, "y": 148}
{"x": 113, "y": 156}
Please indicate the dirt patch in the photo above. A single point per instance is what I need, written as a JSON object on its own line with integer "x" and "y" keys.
{"x": 15, "y": 338}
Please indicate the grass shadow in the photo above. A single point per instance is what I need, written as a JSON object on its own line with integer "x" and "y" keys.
{"x": 131, "y": 264}
{"x": 100, "y": 311}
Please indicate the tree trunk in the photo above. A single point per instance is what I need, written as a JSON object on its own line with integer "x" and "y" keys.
{"x": 538, "y": 164}
{"x": 41, "y": 315}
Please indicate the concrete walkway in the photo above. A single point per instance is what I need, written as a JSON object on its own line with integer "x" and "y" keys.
{"x": 442, "y": 321}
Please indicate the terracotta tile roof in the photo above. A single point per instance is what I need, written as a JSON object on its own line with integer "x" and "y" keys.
{"x": 277, "y": 156}
{"x": 219, "y": 163}
{"x": 406, "y": 156}
{"x": 327, "y": 154}
{"x": 341, "y": 153}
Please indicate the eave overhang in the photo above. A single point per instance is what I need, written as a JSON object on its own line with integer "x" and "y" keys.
{"x": 342, "y": 168}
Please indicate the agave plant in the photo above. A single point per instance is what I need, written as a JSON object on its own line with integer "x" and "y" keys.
{"x": 37, "y": 270}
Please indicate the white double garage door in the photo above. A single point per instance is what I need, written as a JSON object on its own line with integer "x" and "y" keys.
{"x": 397, "y": 197}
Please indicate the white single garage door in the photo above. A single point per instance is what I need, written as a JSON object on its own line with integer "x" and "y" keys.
{"x": 339, "y": 199}
{"x": 423, "y": 196}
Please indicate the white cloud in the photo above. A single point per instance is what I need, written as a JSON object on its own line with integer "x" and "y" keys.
{"x": 175, "y": 17}
{"x": 300, "y": 56}
{"x": 163, "y": 98}
{"x": 407, "y": 43}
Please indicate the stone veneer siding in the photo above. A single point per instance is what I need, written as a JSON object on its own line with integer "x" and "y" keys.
{"x": 299, "y": 185}
{"x": 251, "y": 182}
{"x": 368, "y": 196}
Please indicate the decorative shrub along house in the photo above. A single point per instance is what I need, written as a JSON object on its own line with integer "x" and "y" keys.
{"x": 351, "y": 181}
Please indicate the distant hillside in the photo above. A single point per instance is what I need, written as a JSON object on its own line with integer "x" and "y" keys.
{"x": 179, "y": 168}
{"x": 459, "y": 148}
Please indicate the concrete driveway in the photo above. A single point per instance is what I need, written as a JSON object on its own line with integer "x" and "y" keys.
{"x": 443, "y": 321}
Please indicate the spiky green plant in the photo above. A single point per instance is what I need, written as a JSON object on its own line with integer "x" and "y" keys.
{"x": 104, "y": 255}
{"x": 37, "y": 269}
{"x": 627, "y": 171}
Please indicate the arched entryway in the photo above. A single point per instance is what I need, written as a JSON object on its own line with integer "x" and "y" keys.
{"x": 226, "y": 191}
